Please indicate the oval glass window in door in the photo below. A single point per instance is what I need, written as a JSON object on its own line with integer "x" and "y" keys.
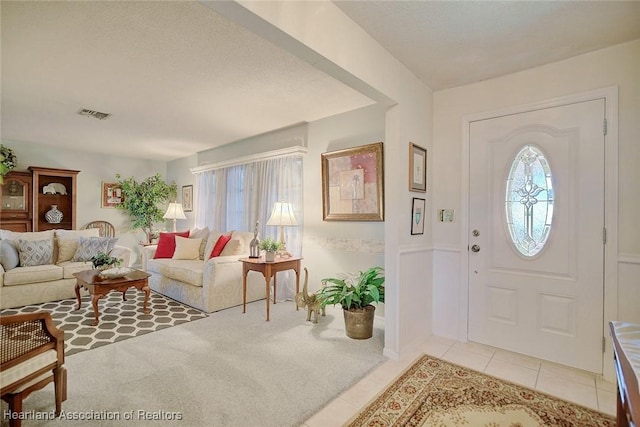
{"x": 529, "y": 201}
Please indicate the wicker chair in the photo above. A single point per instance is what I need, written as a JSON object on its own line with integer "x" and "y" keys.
{"x": 106, "y": 228}
{"x": 31, "y": 356}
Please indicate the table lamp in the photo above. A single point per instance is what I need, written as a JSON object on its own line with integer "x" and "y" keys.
{"x": 174, "y": 212}
{"x": 281, "y": 216}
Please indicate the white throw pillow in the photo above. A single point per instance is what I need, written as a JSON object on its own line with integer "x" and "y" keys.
{"x": 233, "y": 247}
{"x": 187, "y": 248}
{"x": 203, "y": 234}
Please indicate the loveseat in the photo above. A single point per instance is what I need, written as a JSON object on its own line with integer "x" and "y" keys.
{"x": 37, "y": 267}
{"x": 196, "y": 278}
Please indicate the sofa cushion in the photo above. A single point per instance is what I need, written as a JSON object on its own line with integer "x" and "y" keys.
{"x": 167, "y": 244}
{"x": 211, "y": 241}
{"x": 35, "y": 274}
{"x": 35, "y": 252}
{"x": 14, "y": 236}
{"x": 200, "y": 233}
{"x": 88, "y": 247}
{"x": 187, "y": 248}
{"x": 9, "y": 257}
{"x": 187, "y": 271}
{"x": 220, "y": 244}
{"x": 70, "y": 267}
{"x": 233, "y": 247}
{"x": 67, "y": 242}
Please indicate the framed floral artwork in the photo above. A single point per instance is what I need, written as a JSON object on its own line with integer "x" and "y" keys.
{"x": 353, "y": 184}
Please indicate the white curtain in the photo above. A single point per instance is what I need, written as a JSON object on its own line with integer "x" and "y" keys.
{"x": 234, "y": 198}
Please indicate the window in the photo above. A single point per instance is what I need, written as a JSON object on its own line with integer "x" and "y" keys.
{"x": 529, "y": 201}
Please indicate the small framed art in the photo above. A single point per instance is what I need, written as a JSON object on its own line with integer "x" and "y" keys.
{"x": 187, "y": 198}
{"x": 353, "y": 184}
{"x": 112, "y": 195}
{"x": 417, "y": 168}
{"x": 417, "y": 216}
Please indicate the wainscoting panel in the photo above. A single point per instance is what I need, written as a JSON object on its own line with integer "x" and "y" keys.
{"x": 629, "y": 288}
{"x": 446, "y": 292}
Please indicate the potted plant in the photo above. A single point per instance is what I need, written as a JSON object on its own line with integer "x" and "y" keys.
{"x": 141, "y": 200}
{"x": 8, "y": 161}
{"x": 103, "y": 261}
{"x": 356, "y": 296}
{"x": 270, "y": 246}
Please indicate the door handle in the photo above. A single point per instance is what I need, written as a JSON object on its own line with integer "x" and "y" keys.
{"x": 475, "y": 248}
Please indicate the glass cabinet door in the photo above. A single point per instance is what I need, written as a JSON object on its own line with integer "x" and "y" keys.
{"x": 14, "y": 195}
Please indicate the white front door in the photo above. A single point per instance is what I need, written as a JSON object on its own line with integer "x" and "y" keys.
{"x": 536, "y": 223}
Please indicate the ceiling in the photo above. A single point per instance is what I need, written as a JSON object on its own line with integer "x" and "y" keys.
{"x": 178, "y": 78}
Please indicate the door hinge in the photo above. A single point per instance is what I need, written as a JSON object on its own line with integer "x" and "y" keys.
{"x": 604, "y": 344}
{"x": 604, "y": 235}
{"x": 604, "y": 126}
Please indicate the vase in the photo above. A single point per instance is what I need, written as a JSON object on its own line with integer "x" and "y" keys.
{"x": 53, "y": 216}
{"x": 269, "y": 256}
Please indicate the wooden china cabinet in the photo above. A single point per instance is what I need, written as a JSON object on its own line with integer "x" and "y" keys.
{"x": 16, "y": 209}
{"x": 43, "y": 201}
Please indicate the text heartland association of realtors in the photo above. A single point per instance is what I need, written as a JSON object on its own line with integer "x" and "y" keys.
{"x": 139, "y": 415}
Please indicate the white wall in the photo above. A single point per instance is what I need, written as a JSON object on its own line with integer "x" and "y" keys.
{"x": 179, "y": 171}
{"x": 616, "y": 66}
{"x": 331, "y": 247}
{"x": 94, "y": 169}
{"x": 350, "y": 55}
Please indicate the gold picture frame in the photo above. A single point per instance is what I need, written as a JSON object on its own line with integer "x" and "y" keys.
{"x": 417, "y": 168}
{"x": 112, "y": 195}
{"x": 353, "y": 184}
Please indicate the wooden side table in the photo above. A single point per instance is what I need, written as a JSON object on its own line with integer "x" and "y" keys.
{"x": 268, "y": 270}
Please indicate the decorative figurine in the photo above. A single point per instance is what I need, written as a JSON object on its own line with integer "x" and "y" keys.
{"x": 254, "y": 246}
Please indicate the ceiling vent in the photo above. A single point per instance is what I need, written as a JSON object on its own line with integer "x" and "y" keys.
{"x": 95, "y": 114}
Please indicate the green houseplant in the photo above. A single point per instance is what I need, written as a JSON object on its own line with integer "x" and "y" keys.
{"x": 8, "y": 161}
{"x": 141, "y": 200}
{"x": 270, "y": 246}
{"x": 103, "y": 261}
{"x": 356, "y": 296}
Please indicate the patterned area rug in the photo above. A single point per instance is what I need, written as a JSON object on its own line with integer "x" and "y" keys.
{"x": 119, "y": 320}
{"x": 433, "y": 392}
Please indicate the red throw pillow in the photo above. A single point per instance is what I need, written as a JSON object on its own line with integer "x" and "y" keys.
{"x": 220, "y": 244}
{"x": 167, "y": 244}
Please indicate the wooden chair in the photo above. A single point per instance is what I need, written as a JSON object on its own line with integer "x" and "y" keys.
{"x": 626, "y": 348}
{"x": 31, "y": 356}
{"x": 106, "y": 228}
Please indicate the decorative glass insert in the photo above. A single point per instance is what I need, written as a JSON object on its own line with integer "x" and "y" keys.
{"x": 529, "y": 201}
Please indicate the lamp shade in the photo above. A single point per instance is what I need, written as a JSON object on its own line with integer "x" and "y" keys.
{"x": 282, "y": 214}
{"x": 174, "y": 211}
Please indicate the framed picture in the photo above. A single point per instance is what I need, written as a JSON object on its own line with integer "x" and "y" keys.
{"x": 353, "y": 184}
{"x": 417, "y": 168}
{"x": 187, "y": 198}
{"x": 111, "y": 195}
{"x": 417, "y": 216}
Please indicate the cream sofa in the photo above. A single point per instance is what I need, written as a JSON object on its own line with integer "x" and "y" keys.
{"x": 24, "y": 285}
{"x": 207, "y": 285}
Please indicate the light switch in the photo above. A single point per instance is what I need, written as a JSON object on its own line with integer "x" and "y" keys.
{"x": 447, "y": 215}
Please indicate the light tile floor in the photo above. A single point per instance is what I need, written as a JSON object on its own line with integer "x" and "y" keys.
{"x": 569, "y": 384}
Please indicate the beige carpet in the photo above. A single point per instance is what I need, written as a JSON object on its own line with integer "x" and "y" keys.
{"x": 433, "y": 392}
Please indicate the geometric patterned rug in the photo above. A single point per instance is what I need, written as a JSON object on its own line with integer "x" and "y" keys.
{"x": 119, "y": 320}
{"x": 433, "y": 392}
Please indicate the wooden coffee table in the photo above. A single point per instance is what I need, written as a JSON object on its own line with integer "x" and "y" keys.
{"x": 98, "y": 288}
